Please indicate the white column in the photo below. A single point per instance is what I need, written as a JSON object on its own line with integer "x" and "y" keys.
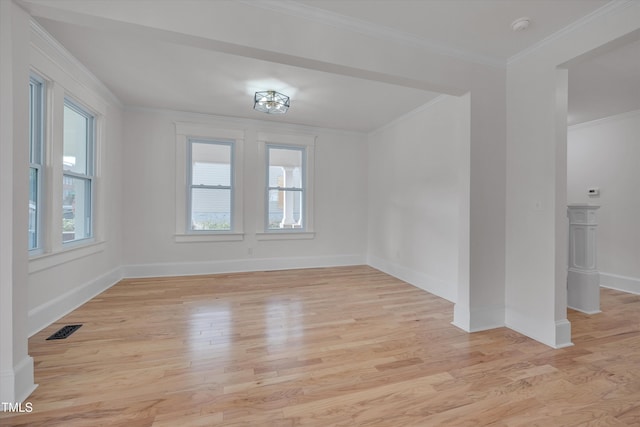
{"x": 287, "y": 215}
{"x": 583, "y": 280}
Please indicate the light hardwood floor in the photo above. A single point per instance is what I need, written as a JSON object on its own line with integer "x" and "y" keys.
{"x": 346, "y": 346}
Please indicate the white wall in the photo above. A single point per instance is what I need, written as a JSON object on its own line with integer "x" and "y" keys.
{"x": 536, "y": 254}
{"x": 16, "y": 366}
{"x": 65, "y": 276}
{"x": 415, "y": 189}
{"x": 150, "y": 248}
{"x": 606, "y": 154}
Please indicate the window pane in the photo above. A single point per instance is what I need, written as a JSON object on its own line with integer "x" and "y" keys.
{"x": 77, "y": 136}
{"x": 33, "y": 208}
{"x": 285, "y": 209}
{"x": 285, "y": 167}
{"x": 210, "y": 209}
{"x": 210, "y": 164}
{"x": 36, "y": 132}
{"x": 76, "y": 208}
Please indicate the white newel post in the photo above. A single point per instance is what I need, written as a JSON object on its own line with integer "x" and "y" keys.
{"x": 583, "y": 281}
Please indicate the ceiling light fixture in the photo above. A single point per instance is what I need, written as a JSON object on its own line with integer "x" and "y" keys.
{"x": 271, "y": 102}
{"x": 520, "y": 24}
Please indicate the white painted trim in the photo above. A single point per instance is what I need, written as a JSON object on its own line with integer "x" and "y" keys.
{"x": 555, "y": 335}
{"x": 601, "y": 11}
{"x": 45, "y": 314}
{"x": 67, "y": 254}
{"x": 243, "y": 122}
{"x": 589, "y": 312}
{"x": 238, "y": 265}
{"x": 209, "y": 237}
{"x": 418, "y": 279}
{"x": 604, "y": 120}
{"x": 18, "y": 383}
{"x": 620, "y": 283}
{"x": 479, "y": 318}
{"x": 563, "y": 334}
{"x": 73, "y": 63}
{"x": 380, "y": 32}
{"x": 410, "y": 114}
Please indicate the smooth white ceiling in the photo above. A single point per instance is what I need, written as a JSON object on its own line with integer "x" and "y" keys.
{"x": 146, "y": 71}
{"x": 477, "y": 27}
{"x": 605, "y": 85}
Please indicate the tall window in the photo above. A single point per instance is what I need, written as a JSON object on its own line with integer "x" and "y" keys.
{"x": 285, "y": 187}
{"x": 36, "y": 148}
{"x": 78, "y": 172}
{"x": 211, "y": 187}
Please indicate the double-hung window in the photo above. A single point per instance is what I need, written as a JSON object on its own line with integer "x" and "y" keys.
{"x": 286, "y": 207}
{"x": 285, "y": 187}
{"x": 36, "y": 160}
{"x": 211, "y": 185}
{"x": 78, "y": 172}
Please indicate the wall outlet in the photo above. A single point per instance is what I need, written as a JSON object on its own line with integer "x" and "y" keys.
{"x": 593, "y": 192}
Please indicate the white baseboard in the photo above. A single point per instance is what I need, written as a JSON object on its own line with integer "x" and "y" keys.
{"x": 478, "y": 319}
{"x": 620, "y": 283}
{"x": 554, "y": 335}
{"x": 17, "y": 384}
{"x": 237, "y": 266}
{"x": 448, "y": 291}
{"x": 45, "y": 314}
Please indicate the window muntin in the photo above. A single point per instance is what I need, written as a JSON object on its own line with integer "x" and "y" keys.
{"x": 285, "y": 187}
{"x": 36, "y": 155}
{"x": 211, "y": 191}
{"x": 78, "y": 172}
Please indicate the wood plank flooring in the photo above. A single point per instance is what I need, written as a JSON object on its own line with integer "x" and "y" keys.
{"x": 346, "y": 346}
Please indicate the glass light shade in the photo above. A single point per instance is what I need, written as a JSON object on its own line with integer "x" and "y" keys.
{"x": 271, "y": 102}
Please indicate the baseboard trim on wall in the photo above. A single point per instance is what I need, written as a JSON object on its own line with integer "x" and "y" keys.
{"x": 17, "y": 384}
{"x": 237, "y": 266}
{"x": 420, "y": 280}
{"x": 45, "y": 314}
{"x": 479, "y": 318}
{"x": 620, "y": 283}
{"x": 555, "y": 335}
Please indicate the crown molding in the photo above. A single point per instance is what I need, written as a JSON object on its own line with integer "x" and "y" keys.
{"x": 612, "y": 6}
{"x": 325, "y": 17}
{"x": 242, "y": 122}
{"x": 604, "y": 120}
{"x": 50, "y": 41}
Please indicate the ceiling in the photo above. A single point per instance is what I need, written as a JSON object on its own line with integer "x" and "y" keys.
{"x": 144, "y": 70}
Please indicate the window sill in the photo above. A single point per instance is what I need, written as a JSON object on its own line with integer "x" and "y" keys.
{"x": 286, "y": 235}
{"x": 45, "y": 261}
{"x": 209, "y": 237}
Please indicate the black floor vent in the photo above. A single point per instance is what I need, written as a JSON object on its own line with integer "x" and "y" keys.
{"x": 64, "y": 332}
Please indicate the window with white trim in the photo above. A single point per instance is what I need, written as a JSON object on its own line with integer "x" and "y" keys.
{"x": 285, "y": 187}
{"x": 209, "y": 183}
{"x": 211, "y": 189}
{"x": 78, "y": 172}
{"x": 288, "y": 186}
{"x": 36, "y": 160}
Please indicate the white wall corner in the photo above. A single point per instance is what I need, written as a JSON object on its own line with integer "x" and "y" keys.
{"x": 238, "y": 265}
{"x": 418, "y": 279}
{"x": 478, "y": 319}
{"x": 45, "y": 314}
{"x": 461, "y": 317}
{"x": 563, "y": 334}
{"x": 555, "y": 334}
{"x": 620, "y": 283}
{"x": 17, "y": 384}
